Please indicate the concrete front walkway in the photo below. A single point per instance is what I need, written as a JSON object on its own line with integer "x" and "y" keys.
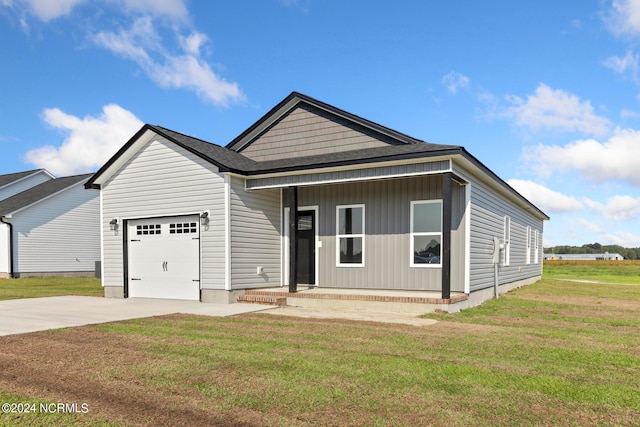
{"x": 39, "y": 314}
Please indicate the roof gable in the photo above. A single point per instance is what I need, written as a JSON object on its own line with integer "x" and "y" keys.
{"x": 39, "y": 193}
{"x": 333, "y": 118}
{"x": 12, "y": 178}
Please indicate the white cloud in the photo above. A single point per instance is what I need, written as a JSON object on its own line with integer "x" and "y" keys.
{"x": 46, "y": 10}
{"x": 171, "y": 8}
{"x": 614, "y": 159}
{"x": 556, "y": 109}
{"x": 187, "y": 69}
{"x": 623, "y": 238}
{"x": 620, "y": 65}
{"x": 454, "y": 81}
{"x": 617, "y": 208}
{"x": 624, "y": 17}
{"x": 591, "y": 226}
{"x": 89, "y": 143}
{"x": 544, "y": 198}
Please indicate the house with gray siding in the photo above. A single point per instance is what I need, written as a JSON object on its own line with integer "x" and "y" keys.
{"x": 309, "y": 195}
{"x": 49, "y": 228}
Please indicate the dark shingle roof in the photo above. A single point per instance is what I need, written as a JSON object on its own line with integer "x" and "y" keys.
{"x": 220, "y": 156}
{"x": 228, "y": 159}
{"x": 39, "y": 192}
{"x": 11, "y": 177}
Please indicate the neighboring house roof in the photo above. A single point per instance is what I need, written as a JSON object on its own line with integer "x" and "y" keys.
{"x": 38, "y": 193}
{"x": 13, "y": 177}
{"x": 230, "y": 159}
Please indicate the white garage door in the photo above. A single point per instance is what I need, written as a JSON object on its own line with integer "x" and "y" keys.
{"x": 164, "y": 258}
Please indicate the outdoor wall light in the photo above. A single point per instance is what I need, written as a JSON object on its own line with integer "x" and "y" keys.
{"x": 113, "y": 224}
{"x": 204, "y": 218}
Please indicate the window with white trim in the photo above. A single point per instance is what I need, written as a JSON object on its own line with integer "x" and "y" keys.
{"x": 426, "y": 233}
{"x": 535, "y": 246}
{"x": 507, "y": 240}
{"x": 350, "y": 236}
{"x": 529, "y": 236}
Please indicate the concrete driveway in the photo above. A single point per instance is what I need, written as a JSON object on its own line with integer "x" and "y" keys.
{"x": 39, "y": 314}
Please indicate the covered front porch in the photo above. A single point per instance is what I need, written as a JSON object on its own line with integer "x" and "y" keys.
{"x": 402, "y": 231}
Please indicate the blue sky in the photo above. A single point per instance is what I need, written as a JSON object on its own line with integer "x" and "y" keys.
{"x": 545, "y": 93}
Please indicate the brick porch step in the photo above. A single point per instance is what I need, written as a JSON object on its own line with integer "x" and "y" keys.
{"x": 263, "y": 299}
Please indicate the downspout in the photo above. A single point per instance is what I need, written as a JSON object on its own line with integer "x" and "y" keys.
{"x": 2, "y": 220}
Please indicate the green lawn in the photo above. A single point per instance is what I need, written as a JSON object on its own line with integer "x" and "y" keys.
{"x": 601, "y": 271}
{"x": 555, "y": 353}
{"x": 49, "y": 286}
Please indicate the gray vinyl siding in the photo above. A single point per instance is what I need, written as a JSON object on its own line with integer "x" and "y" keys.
{"x": 255, "y": 236}
{"x": 351, "y": 174}
{"x": 59, "y": 234}
{"x": 488, "y": 210}
{"x": 163, "y": 179}
{"x": 308, "y": 131}
{"x": 23, "y": 184}
{"x": 387, "y": 233}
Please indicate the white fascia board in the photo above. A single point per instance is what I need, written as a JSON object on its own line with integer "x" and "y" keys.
{"x": 125, "y": 157}
{"x": 350, "y": 168}
{"x": 39, "y": 171}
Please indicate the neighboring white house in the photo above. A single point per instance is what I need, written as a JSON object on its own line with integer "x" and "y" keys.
{"x": 310, "y": 194}
{"x": 15, "y": 183}
{"x": 50, "y": 228}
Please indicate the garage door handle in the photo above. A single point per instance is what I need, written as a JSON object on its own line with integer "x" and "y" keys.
{"x": 133, "y": 278}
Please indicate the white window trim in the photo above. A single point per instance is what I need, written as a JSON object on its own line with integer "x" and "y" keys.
{"x": 535, "y": 247}
{"x": 527, "y": 259}
{"x": 412, "y": 234}
{"x": 338, "y": 235}
{"x": 507, "y": 240}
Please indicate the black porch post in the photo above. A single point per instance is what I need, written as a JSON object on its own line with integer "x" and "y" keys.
{"x": 293, "y": 239}
{"x": 447, "y": 196}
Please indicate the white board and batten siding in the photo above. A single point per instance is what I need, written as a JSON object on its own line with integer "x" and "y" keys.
{"x": 488, "y": 211}
{"x": 58, "y": 234}
{"x": 24, "y": 184}
{"x": 162, "y": 180}
{"x": 255, "y": 236}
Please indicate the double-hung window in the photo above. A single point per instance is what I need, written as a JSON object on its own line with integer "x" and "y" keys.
{"x": 350, "y": 236}
{"x": 507, "y": 240}
{"x": 426, "y": 233}
{"x": 528, "y": 253}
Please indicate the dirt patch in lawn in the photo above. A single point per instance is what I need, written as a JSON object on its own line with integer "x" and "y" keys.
{"x": 83, "y": 365}
{"x": 196, "y": 370}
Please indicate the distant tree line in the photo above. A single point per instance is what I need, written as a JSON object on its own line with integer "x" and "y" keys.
{"x": 595, "y": 248}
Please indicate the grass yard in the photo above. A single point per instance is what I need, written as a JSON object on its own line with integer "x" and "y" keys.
{"x": 555, "y": 353}
{"x": 627, "y": 271}
{"x": 49, "y": 286}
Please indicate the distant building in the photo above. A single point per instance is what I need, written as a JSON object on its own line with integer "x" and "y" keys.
{"x": 584, "y": 257}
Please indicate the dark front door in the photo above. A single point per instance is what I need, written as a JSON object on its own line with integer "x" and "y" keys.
{"x": 306, "y": 247}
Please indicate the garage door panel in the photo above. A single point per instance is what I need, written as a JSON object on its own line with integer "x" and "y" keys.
{"x": 164, "y": 258}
